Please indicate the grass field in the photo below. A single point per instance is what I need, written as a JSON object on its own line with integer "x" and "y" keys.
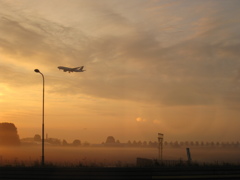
{"x": 23, "y": 163}
{"x": 161, "y": 172}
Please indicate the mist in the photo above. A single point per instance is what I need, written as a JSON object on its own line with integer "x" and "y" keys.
{"x": 112, "y": 156}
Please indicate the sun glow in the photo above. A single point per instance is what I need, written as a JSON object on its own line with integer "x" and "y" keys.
{"x": 3, "y": 90}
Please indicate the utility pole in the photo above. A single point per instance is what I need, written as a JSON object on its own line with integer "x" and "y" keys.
{"x": 160, "y": 146}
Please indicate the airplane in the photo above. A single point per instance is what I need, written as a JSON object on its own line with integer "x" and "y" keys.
{"x": 76, "y": 69}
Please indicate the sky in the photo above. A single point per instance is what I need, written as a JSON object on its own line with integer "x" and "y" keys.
{"x": 152, "y": 66}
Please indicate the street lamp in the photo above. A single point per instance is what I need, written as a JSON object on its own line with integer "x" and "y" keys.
{"x": 37, "y": 71}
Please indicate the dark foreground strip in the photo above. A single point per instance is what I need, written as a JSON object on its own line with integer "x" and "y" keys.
{"x": 235, "y": 176}
{"x": 53, "y": 173}
{"x": 72, "y": 173}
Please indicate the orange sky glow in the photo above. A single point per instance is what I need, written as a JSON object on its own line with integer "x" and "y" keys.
{"x": 151, "y": 66}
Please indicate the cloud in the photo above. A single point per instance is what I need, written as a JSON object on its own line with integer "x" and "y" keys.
{"x": 126, "y": 59}
{"x": 156, "y": 121}
{"x": 19, "y": 40}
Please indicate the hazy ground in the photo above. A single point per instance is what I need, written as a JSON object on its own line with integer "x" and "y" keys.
{"x": 112, "y": 156}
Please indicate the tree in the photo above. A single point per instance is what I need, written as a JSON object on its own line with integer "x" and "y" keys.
{"x": 176, "y": 144}
{"x": 8, "y": 134}
{"x": 139, "y": 143}
{"x": 64, "y": 143}
{"x": 110, "y": 139}
{"x": 37, "y": 137}
{"x": 76, "y": 142}
{"x": 129, "y": 143}
{"x": 134, "y": 143}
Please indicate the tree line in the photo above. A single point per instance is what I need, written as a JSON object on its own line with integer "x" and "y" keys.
{"x": 110, "y": 141}
{"x": 9, "y": 136}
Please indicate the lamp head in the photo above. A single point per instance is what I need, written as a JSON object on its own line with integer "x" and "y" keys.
{"x": 36, "y": 70}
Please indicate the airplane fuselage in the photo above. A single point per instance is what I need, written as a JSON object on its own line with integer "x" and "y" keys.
{"x": 67, "y": 69}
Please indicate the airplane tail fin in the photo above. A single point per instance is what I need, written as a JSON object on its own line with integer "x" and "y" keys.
{"x": 81, "y": 68}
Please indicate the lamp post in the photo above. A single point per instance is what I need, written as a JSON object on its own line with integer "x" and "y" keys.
{"x": 37, "y": 71}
